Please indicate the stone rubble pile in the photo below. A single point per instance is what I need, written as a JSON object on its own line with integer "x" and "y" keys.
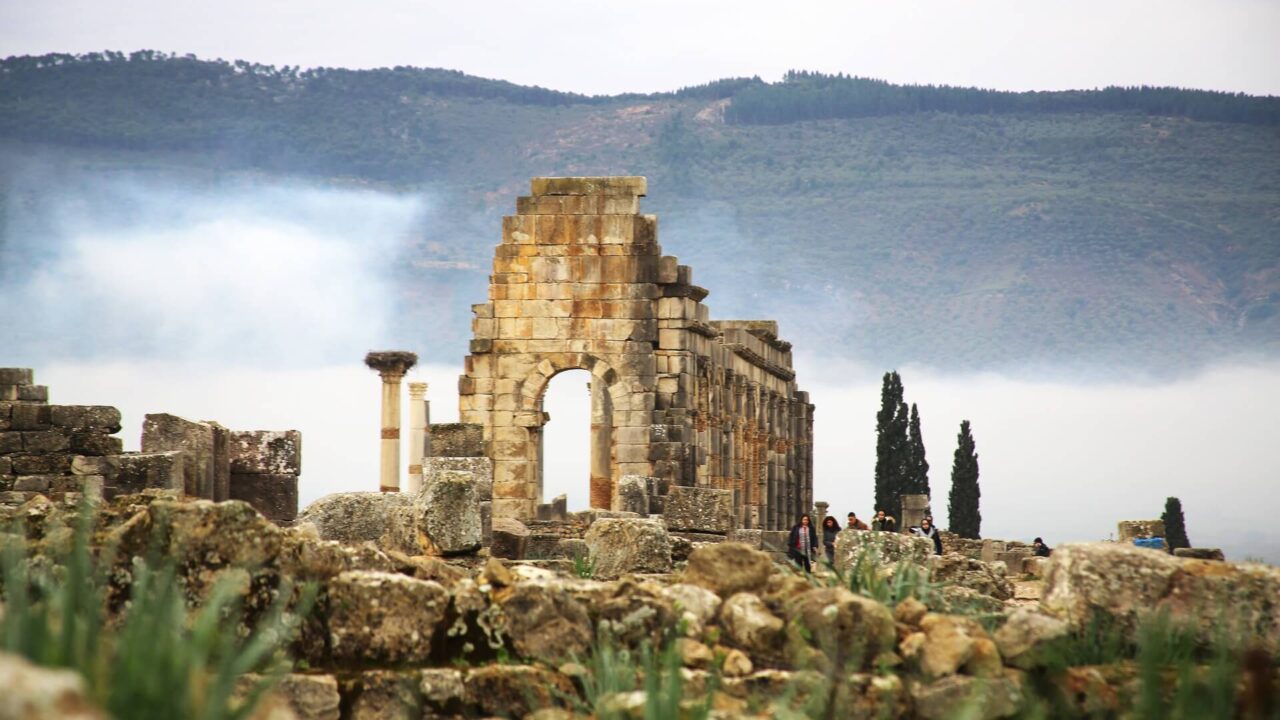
{"x": 407, "y": 627}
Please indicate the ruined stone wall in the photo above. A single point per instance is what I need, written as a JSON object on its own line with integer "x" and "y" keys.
{"x": 580, "y": 282}
{"x": 56, "y": 450}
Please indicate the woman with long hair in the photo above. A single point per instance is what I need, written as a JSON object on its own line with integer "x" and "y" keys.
{"x": 803, "y": 543}
{"x": 830, "y": 528}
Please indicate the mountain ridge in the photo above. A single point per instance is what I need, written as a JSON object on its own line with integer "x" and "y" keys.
{"x": 943, "y": 236}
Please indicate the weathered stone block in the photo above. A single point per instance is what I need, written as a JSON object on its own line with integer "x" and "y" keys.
{"x": 480, "y": 468}
{"x": 163, "y": 432}
{"x": 34, "y": 483}
{"x": 510, "y": 539}
{"x": 447, "y": 513}
{"x": 91, "y": 485}
{"x": 95, "y": 442}
{"x": 633, "y": 185}
{"x": 105, "y": 465}
{"x": 265, "y": 452}
{"x": 699, "y": 509}
{"x": 383, "y": 617}
{"x": 1129, "y": 530}
{"x": 887, "y": 548}
{"x": 618, "y": 546}
{"x": 10, "y": 442}
{"x": 541, "y": 546}
{"x": 546, "y": 623}
{"x": 85, "y": 417}
{"x": 47, "y": 441}
{"x": 33, "y": 393}
{"x": 517, "y": 690}
{"x": 457, "y": 440}
{"x": 49, "y": 464}
{"x": 29, "y": 417}
{"x": 17, "y": 376}
{"x": 442, "y": 690}
{"x": 969, "y": 573}
{"x": 385, "y": 519}
{"x": 275, "y": 496}
{"x": 136, "y": 472}
{"x": 631, "y": 494}
{"x": 1126, "y": 582}
{"x": 310, "y": 697}
{"x": 751, "y": 538}
{"x": 991, "y": 550}
{"x": 728, "y": 568}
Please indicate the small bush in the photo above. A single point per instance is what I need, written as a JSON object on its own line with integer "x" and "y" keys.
{"x": 584, "y": 566}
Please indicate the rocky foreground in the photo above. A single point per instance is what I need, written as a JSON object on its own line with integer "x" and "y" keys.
{"x": 720, "y": 630}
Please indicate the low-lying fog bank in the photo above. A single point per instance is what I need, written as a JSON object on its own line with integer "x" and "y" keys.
{"x": 1061, "y": 461}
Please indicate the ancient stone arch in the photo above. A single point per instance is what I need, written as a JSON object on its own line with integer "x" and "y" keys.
{"x": 580, "y": 282}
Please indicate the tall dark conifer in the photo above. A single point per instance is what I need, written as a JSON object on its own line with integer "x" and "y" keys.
{"x": 964, "y": 518}
{"x": 1175, "y": 526}
{"x": 917, "y": 466}
{"x": 891, "y": 424}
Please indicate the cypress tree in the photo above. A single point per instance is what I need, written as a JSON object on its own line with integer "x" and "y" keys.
{"x": 918, "y": 466}
{"x": 1175, "y": 526}
{"x": 962, "y": 505}
{"x": 890, "y": 441}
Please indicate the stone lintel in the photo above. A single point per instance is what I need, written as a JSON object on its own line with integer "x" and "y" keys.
{"x": 612, "y": 185}
{"x": 390, "y": 362}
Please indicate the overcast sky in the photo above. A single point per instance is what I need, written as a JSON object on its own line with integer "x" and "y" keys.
{"x": 610, "y": 47}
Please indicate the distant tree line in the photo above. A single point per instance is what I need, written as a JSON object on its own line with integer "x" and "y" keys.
{"x": 363, "y": 123}
{"x": 815, "y": 96}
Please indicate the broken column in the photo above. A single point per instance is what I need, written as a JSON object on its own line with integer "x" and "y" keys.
{"x": 391, "y": 366}
{"x": 819, "y": 516}
{"x": 417, "y": 433}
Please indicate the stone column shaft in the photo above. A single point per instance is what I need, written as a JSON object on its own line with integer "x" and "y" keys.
{"x": 391, "y": 367}
{"x": 417, "y": 433}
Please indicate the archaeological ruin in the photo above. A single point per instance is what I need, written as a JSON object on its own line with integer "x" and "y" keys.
{"x": 706, "y": 409}
{"x": 463, "y": 593}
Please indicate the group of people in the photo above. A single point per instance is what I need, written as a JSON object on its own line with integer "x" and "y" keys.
{"x": 802, "y": 546}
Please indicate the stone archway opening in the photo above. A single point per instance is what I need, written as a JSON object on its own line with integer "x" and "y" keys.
{"x": 567, "y": 449}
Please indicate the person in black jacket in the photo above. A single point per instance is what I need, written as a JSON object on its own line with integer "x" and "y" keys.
{"x": 883, "y": 522}
{"x": 927, "y": 530}
{"x": 1041, "y": 549}
{"x": 802, "y": 544}
{"x": 830, "y": 528}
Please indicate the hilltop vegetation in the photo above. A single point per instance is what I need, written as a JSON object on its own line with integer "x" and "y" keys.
{"x": 959, "y": 227}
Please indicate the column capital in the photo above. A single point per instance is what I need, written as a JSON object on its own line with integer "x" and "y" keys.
{"x": 417, "y": 391}
{"x": 391, "y": 363}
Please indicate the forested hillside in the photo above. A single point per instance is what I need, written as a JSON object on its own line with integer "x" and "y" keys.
{"x": 889, "y": 224}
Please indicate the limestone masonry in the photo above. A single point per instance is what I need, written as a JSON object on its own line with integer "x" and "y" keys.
{"x": 67, "y": 450}
{"x": 678, "y": 399}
